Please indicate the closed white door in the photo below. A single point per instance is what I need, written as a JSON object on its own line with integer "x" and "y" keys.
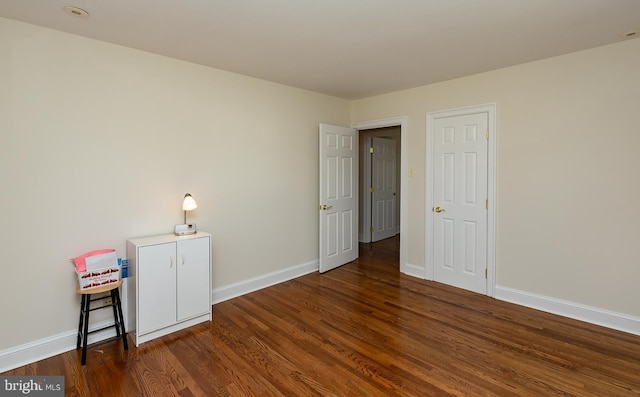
{"x": 193, "y": 297}
{"x": 383, "y": 186}
{"x": 338, "y": 196}
{"x": 460, "y": 201}
{"x": 156, "y": 292}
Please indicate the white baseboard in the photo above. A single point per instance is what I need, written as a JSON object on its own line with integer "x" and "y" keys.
{"x": 413, "y": 270}
{"x": 227, "y": 292}
{"x": 44, "y": 348}
{"x": 589, "y": 314}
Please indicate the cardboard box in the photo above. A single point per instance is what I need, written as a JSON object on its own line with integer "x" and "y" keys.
{"x": 99, "y": 278}
{"x": 97, "y": 269}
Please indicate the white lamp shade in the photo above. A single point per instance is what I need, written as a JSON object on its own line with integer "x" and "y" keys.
{"x": 189, "y": 203}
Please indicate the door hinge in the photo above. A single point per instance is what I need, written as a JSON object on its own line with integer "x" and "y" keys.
{"x": 487, "y": 135}
{"x": 371, "y": 150}
{"x": 371, "y": 229}
{"x": 486, "y": 273}
{"x": 371, "y": 189}
{"x": 486, "y": 203}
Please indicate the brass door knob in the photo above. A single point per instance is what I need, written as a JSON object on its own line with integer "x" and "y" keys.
{"x": 438, "y": 209}
{"x": 325, "y": 207}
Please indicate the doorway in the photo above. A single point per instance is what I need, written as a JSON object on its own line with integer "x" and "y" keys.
{"x": 339, "y": 181}
{"x": 380, "y": 179}
{"x": 384, "y": 127}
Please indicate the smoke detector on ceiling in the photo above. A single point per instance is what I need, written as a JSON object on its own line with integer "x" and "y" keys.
{"x": 76, "y": 12}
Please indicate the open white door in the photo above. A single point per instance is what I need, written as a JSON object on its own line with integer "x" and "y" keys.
{"x": 383, "y": 189}
{"x": 338, "y": 196}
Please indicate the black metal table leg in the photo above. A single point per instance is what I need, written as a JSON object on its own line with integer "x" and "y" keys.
{"x": 118, "y": 303}
{"x": 85, "y": 333}
{"x": 80, "y": 322}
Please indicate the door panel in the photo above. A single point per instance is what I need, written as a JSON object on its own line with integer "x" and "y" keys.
{"x": 156, "y": 276}
{"x": 338, "y": 196}
{"x": 460, "y": 190}
{"x": 193, "y": 278}
{"x": 384, "y": 195}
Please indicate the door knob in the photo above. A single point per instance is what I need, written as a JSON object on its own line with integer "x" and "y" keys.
{"x": 438, "y": 209}
{"x": 325, "y": 207}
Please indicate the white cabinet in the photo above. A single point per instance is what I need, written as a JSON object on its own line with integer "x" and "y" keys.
{"x": 170, "y": 282}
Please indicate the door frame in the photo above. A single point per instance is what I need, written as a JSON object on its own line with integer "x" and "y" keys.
{"x": 490, "y": 109}
{"x": 402, "y": 123}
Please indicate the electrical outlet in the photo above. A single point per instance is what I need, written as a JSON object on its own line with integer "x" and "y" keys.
{"x": 107, "y": 301}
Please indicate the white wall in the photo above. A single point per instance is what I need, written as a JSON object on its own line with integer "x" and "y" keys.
{"x": 567, "y": 171}
{"x": 99, "y": 143}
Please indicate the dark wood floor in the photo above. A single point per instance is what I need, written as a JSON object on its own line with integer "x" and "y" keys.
{"x": 363, "y": 330}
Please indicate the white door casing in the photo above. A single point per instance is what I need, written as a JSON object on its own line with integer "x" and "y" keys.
{"x": 460, "y": 198}
{"x": 383, "y": 184}
{"x": 338, "y": 196}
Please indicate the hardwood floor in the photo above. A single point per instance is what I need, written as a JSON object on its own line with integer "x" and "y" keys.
{"x": 363, "y": 330}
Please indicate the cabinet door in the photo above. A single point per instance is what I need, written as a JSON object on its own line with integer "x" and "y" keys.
{"x": 156, "y": 287}
{"x": 194, "y": 279}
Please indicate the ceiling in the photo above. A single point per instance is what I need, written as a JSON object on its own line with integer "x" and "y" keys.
{"x": 345, "y": 48}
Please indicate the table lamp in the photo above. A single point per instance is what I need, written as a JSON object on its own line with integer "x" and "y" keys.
{"x": 188, "y": 204}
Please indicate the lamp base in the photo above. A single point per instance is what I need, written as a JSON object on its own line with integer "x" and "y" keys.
{"x": 188, "y": 228}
